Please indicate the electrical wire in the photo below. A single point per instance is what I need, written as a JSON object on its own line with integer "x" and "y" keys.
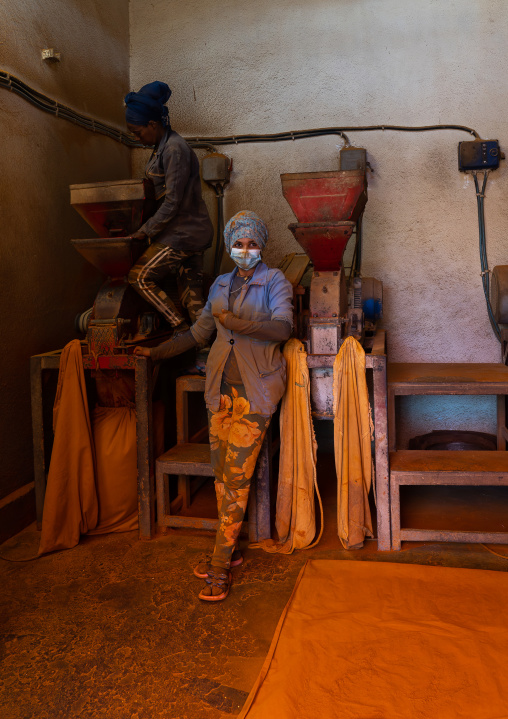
{"x": 355, "y": 270}
{"x": 203, "y": 146}
{"x": 318, "y": 132}
{"x": 16, "y": 561}
{"x": 45, "y": 103}
{"x": 356, "y": 265}
{"x": 485, "y": 272}
{"x": 219, "y": 244}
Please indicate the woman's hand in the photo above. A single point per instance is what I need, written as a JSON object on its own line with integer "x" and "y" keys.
{"x": 222, "y": 316}
{"x": 141, "y": 351}
{"x": 138, "y": 235}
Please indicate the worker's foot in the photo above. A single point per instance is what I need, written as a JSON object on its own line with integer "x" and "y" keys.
{"x": 217, "y": 584}
{"x": 201, "y": 570}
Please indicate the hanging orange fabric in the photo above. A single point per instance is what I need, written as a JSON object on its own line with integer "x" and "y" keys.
{"x": 70, "y": 505}
{"x": 92, "y": 481}
{"x": 295, "y": 516}
{"x": 352, "y": 442}
{"x": 114, "y": 432}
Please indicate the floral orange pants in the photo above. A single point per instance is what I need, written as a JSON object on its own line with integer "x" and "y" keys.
{"x": 236, "y": 436}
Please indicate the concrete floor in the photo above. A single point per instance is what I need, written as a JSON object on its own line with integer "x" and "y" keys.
{"x": 114, "y": 628}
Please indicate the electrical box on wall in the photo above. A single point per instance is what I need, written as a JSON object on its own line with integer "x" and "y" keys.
{"x": 479, "y": 155}
{"x": 353, "y": 158}
{"x": 216, "y": 168}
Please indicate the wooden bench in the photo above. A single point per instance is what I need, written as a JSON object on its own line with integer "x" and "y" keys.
{"x": 443, "y": 467}
{"x": 462, "y": 468}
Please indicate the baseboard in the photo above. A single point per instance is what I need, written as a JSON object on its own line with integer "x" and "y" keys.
{"x": 17, "y": 511}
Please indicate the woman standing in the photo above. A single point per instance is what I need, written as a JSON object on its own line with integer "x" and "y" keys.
{"x": 180, "y": 230}
{"x": 251, "y": 309}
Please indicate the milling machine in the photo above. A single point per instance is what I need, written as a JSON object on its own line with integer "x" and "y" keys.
{"x": 115, "y": 210}
{"x": 329, "y": 207}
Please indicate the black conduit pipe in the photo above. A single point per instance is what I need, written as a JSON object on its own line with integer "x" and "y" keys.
{"x": 219, "y": 244}
{"x": 485, "y": 273}
{"x": 318, "y": 132}
{"x": 45, "y": 103}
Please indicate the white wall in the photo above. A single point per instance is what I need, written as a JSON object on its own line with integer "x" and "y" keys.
{"x": 274, "y": 65}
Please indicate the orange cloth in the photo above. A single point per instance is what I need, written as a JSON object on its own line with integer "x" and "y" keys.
{"x": 352, "y": 442}
{"x": 295, "y": 516}
{"x": 70, "y": 504}
{"x": 375, "y": 640}
{"x": 115, "y": 388}
{"x": 92, "y": 480}
{"x": 114, "y": 432}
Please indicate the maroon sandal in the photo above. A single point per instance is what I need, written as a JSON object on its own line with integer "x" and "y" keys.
{"x": 218, "y": 580}
{"x": 201, "y": 569}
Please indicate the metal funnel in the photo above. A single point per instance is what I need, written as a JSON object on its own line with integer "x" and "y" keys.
{"x": 327, "y": 206}
{"x": 114, "y": 256}
{"x": 326, "y": 196}
{"x": 114, "y": 209}
{"x": 324, "y": 243}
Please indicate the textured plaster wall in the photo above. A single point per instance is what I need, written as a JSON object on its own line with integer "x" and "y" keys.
{"x": 274, "y": 65}
{"x": 44, "y": 282}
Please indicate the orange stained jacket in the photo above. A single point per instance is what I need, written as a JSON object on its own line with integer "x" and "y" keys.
{"x": 267, "y": 296}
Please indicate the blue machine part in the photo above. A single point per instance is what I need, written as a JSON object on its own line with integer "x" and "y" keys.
{"x": 372, "y": 309}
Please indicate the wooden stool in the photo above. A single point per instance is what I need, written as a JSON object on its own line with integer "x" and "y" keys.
{"x": 183, "y": 461}
{"x": 184, "y": 385}
{"x": 192, "y": 459}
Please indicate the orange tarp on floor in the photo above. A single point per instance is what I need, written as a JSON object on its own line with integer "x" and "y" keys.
{"x": 376, "y": 640}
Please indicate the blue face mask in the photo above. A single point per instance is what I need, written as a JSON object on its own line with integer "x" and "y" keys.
{"x": 246, "y": 259}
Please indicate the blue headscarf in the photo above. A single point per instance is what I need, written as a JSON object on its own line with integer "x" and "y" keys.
{"x": 148, "y": 104}
{"x": 245, "y": 224}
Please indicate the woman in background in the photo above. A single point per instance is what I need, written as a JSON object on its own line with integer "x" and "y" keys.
{"x": 180, "y": 230}
{"x": 251, "y": 309}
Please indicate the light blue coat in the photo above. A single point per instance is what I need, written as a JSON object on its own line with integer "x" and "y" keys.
{"x": 267, "y": 296}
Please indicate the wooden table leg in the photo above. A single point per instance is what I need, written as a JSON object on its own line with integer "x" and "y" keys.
{"x": 392, "y": 425}
{"x": 395, "y": 514}
{"x": 501, "y": 422}
{"x": 381, "y": 455}
{"x": 38, "y": 436}
{"x": 146, "y": 495}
